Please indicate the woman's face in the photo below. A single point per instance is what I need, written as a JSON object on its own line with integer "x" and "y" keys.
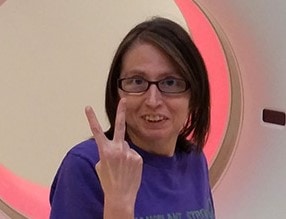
{"x": 154, "y": 119}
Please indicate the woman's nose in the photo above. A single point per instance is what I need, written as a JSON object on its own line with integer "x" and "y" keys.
{"x": 153, "y": 96}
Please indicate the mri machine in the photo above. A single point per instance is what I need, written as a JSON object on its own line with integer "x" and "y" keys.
{"x": 49, "y": 55}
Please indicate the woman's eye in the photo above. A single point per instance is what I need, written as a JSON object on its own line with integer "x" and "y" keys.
{"x": 138, "y": 81}
{"x": 134, "y": 81}
{"x": 170, "y": 82}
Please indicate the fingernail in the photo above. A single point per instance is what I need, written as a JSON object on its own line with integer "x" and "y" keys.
{"x": 87, "y": 108}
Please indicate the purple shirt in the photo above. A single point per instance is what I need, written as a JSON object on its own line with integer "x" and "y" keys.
{"x": 174, "y": 187}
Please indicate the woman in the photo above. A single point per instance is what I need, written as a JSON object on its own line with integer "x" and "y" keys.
{"x": 149, "y": 164}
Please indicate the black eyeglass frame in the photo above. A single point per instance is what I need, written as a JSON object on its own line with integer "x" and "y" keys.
{"x": 119, "y": 84}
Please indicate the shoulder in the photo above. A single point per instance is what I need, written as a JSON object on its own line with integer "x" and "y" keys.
{"x": 198, "y": 166}
{"x": 86, "y": 150}
{"x": 198, "y": 158}
{"x": 192, "y": 154}
{"x": 76, "y": 185}
{"x": 76, "y": 167}
{"x": 194, "y": 163}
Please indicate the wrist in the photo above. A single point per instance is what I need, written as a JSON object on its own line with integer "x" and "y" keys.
{"x": 118, "y": 208}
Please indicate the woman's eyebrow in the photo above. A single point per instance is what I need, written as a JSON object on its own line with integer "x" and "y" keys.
{"x": 133, "y": 73}
{"x": 138, "y": 72}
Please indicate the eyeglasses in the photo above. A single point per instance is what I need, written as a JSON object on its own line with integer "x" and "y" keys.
{"x": 140, "y": 85}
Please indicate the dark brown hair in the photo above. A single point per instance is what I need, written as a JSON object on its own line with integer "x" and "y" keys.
{"x": 172, "y": 39}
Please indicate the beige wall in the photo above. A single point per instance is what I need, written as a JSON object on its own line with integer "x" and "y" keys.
{"x": 54, "y": 59}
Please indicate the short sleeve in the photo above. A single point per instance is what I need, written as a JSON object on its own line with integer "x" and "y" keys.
{"x": 76, "y": 191}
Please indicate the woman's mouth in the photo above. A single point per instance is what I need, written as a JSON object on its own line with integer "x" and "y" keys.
{"x": 154, "y": 118}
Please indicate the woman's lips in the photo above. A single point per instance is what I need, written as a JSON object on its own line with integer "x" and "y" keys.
{"x": 154, "y": 118}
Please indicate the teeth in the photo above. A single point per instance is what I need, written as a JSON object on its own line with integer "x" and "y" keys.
{"x": 153, "y": 118}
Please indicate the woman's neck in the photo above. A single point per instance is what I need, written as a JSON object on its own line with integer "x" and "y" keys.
{"x": 163, "y": 147}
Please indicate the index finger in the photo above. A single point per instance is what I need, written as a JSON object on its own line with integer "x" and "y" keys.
{"x": 119, "y": 129}
{"x": 95, "y": 127}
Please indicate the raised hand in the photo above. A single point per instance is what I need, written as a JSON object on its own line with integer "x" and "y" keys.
{"x": 119, "y": 168}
